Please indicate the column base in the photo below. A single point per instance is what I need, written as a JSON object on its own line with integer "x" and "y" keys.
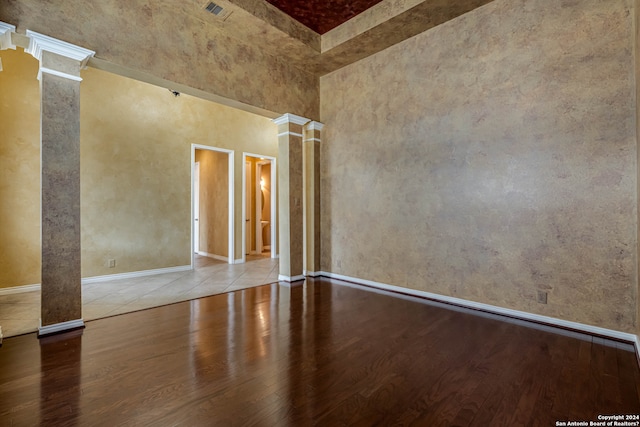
{"x": 312, "y": 273}
{"x": 282, "y": 278}
{"x": 60, "y": 327}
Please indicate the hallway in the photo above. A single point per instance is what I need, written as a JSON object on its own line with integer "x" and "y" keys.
{"x": 20, "y": 313}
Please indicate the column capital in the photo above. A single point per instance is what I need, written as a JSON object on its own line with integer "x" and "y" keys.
{"x": 315, "y": 125}
{"x": 39, "y": 43}
{"x": 5, "y": 36}
{"x": 291, "y": 118}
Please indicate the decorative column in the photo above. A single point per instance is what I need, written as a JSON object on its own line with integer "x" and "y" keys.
{"x": 312, "y": 131}
{"x": 290, "y": 188}
{"x": 59, "y": 75}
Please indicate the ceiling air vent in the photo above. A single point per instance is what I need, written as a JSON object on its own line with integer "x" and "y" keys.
{"x": 214, "y": 8}
{"x": 217, "y": 10}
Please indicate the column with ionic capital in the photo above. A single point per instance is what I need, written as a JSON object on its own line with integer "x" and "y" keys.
{"x": 290, "y": 190}
{"x": 311, "y": 143}
{"x": 59, "y": 75}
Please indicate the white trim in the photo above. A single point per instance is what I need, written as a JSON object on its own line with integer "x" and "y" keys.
{"x": 313, "y": 139}
{"x": 565, "y": 324}
{"x": 315, "y": 125}
{"x": 5, "y": 36}
{"x": 105, "y": 278}
{"x": 214, "y": 256}
{"x": 19, "y": 289}
{"x": 239, "y": 261}
{"x": 312, "y": 273}
{"x": 290, "y": 118}
{"x": 39, "y": 43}
{"x": 231, "y": 179}
{"x": 60, "y": 327}
{"x": 283, "y": 278}
{"x": 58, "y": 73}
{"x": 134, "y": 274}
{"x": 290, "y": 133}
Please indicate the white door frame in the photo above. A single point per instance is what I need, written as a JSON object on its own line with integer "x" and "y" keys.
{"x": 231, "y": 153}
{"x": 196, "y": 206}
{"x": 247, "y": 220}
{"x": 274, "y": 201}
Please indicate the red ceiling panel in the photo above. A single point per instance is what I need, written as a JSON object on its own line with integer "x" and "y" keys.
{"x": 321, "y": 15}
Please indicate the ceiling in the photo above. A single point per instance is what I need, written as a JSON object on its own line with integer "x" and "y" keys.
{"x": 321, "y": 36}
{"x": 322, "y": 16}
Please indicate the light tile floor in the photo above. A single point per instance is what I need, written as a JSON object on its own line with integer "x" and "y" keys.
{"x": 20, "y": 313}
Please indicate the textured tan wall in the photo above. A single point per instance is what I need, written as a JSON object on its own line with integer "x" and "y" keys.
{"x": 176, "y": 41}
{"x": 214, "y": 202}
{"x": 126, "y": 119}
{"x": 135, "y": 176}
{"x": 19, "y": 170}
{"x": 135, "y": 170}
{"x": 637, "y": 76}
{"x": 492, "y": 157}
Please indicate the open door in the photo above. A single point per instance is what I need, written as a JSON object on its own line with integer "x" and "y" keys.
{"x": 259, "y": 205}
{"x": 212, "y": 203}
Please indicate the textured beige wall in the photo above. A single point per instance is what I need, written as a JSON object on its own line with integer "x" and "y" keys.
{"x": 179, "y": 42}
{"x": 135, "y": 170}
{"x": 492, "y": 157}
{"x": 145, "y": 127}
{"x": 19, "y": 170}
{"x": 214, "y": 202}
{"x": 637, "y": 76}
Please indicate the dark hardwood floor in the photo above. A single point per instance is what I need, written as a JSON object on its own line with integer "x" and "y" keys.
{"x": 319, "y": 354}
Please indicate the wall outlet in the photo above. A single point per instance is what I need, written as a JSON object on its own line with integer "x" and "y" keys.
{"x": 542, "y": 297}
{"x": 111, "y": 263}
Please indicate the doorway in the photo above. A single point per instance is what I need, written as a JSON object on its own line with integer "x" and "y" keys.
{"x": 212, "y": 203}
{"x": 259, "y": 209}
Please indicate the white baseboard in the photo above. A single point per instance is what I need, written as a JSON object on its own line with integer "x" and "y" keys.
{"x": 290, "y": 279}
{"x": 523, "y": 315}
{"x": 97, "y": 279}
{"x": 134, "y": 274}
{"x": 239, "y": 261}
{"x": 214, "y": 256}
{"x": 312, "y": 273}
{"x": 60, "y": 327}
{"x": 19, "y": 289}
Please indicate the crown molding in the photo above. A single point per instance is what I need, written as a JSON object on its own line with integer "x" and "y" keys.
{"x": 315, "y": 126}
{"x": 5, "y": 36}
{"x": 39, "y": 43}
{"x": 291, "y": 118}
